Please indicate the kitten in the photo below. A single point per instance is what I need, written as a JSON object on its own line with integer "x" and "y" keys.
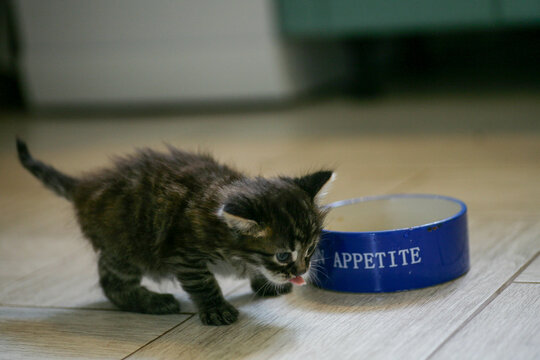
{"x": 180, "y": 214}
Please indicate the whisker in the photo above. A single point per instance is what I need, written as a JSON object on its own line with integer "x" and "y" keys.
{"x": 317, "y": 271}
{"x": 320, "y": 259}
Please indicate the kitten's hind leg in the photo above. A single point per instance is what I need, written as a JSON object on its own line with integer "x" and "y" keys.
{"x": 263, "y": 287}
{"x": 121, "y": 283}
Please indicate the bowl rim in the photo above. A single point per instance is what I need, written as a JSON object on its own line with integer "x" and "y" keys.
{"x": 352, "y": 201}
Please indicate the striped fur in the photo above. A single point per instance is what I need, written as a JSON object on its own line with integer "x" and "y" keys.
{"x": 61, "y": 184}
{"x": 182, "y": 214}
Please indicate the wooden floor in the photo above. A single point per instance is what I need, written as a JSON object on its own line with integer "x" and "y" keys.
{"x": 483, "y": 149}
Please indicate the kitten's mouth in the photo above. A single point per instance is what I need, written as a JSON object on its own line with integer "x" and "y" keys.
{"x": 298, "y": 281}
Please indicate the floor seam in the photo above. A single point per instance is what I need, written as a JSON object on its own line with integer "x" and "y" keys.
{"x": 484, "y": 305}
{"x": 15, "y": 306}
{"x": 7, "y": 305}
{"x": 158, "y": 337}
{"x": 527, "y": 282}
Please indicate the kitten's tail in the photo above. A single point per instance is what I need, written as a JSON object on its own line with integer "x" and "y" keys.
{"x": 60, "y": 183}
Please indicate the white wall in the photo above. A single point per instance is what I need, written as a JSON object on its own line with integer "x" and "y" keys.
{"x": 126, "y": 51}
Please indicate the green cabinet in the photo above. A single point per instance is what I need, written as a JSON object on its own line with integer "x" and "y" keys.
{"x": 520, "y": 11}
{"x": 305, "y": 17}
{"x": 352, "y": 17}
{"x": 403, "y": 15}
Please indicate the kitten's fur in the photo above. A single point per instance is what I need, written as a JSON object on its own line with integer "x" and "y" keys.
{"x": 178, "y": 214}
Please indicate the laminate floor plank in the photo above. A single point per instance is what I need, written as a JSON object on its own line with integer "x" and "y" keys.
{"x": 493, "y": 189}
{"x": 508, "y": 328}
{"x": 532, "y": 272}
{"x": 77, "y": 334}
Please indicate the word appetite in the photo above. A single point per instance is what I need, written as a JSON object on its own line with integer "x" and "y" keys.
{"x": 377, "y": 260}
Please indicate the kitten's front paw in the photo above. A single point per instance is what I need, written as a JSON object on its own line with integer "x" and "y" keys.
{"x": 223, "y": 314}
{"x": 263, "y": 287}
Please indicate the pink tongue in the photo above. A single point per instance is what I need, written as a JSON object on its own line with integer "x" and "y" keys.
{"x": 298, "y": 280}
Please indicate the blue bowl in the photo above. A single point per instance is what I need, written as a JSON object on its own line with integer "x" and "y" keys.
{"x": 393, "y": 243}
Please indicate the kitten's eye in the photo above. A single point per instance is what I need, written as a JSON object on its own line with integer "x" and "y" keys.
{"x": 284, "y": 257}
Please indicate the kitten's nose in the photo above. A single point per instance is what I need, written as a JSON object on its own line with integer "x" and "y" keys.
{"x": 300, "y": 267}
{"x": 299, "y": 271}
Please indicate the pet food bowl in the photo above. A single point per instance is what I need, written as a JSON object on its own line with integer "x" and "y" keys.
{"x": 393, "y": 243}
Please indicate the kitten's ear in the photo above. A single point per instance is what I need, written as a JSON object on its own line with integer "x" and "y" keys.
{"x": 316, "y": 184}
{"x": 238, "y": 221}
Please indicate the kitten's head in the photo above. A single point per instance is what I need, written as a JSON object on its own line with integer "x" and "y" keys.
{"x": 277, "y": 222}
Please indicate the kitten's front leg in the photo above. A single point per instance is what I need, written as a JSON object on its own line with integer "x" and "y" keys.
{"x": 206, "y": 293}
{"x": 264, "y": 287}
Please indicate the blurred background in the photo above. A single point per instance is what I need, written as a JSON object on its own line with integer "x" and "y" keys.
{"x": 175, "y": 55}
{"x": 274, "y": 86}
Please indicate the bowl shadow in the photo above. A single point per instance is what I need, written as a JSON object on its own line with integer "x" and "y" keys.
{"x": 320, "y": 300}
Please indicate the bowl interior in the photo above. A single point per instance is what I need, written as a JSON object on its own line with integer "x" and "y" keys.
{"x": 390, "y": 213}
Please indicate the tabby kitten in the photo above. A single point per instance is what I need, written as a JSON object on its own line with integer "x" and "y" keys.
{"x": 183, "y": 215}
